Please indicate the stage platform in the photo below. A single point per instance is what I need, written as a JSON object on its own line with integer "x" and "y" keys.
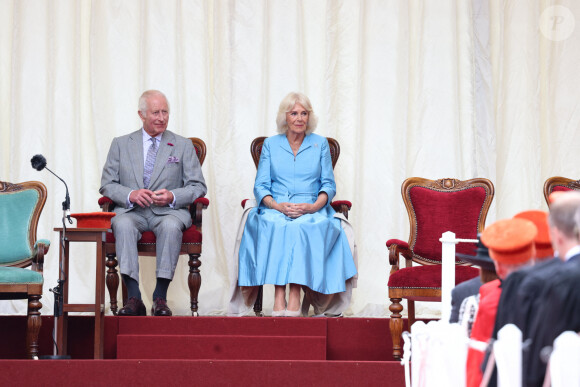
{"x": 211, "y": 350}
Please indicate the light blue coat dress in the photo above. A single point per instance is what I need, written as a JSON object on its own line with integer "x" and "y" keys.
{"x": 311, "y": 250}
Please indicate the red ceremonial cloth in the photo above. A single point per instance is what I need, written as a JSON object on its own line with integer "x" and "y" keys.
{"x": 489, "y": 295}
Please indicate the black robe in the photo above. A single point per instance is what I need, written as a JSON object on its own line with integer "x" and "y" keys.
{"x": 520, "y": 299}
{"x": 556, "y": 310}
{"x": 520, "y": 291}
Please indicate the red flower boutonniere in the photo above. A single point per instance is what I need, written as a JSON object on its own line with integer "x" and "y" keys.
{"x": 170, "y": 144}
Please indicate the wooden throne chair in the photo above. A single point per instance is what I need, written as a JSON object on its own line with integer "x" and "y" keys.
{"x": 20, "y": 208}
{"x": 434, "y": 207}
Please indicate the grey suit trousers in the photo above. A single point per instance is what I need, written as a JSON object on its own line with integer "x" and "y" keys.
{"x": 128, "y": 228}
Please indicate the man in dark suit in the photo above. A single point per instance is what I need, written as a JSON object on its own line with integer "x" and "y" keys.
{"x": 526, "y": 293}
{"x": 555, "y": 309}
{"x": 521, "y": 288}
{"x": 152, "y": 175}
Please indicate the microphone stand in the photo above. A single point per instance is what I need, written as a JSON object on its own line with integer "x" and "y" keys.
{"x": 58, "y": 290}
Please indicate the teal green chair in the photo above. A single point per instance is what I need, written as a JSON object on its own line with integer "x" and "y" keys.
{"x": 20, "y": 208}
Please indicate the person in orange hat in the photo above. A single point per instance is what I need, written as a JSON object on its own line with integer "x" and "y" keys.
{"x": 542, "y": 241}
{"x": 511, "y": 246}
{"x": 520, "y": 290}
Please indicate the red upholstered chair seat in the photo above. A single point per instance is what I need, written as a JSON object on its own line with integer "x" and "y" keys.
{"x": 434, "y": 207}
{"x": 191, "y": 235}
{"x": 428, "y": 276}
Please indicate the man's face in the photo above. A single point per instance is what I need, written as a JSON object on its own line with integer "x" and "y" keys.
{"x": 156, "y": 117}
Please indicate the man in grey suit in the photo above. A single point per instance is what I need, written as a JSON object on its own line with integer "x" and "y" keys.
{"x": 152, "y": 175}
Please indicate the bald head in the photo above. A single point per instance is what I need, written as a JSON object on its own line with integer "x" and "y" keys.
{"x": 564, "y": 222}
{"x": 565, "y": 214}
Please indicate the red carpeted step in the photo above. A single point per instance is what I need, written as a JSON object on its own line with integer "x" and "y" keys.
{"x": 223, "y": 347}
{"x": 247, "y": 326}
{"x": 203, "y": 372}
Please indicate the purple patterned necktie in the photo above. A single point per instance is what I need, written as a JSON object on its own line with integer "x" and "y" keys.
{"x": 150, "y": 162}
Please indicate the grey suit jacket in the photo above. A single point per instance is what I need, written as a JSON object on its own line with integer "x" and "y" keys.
{"x": 176, "y": 169}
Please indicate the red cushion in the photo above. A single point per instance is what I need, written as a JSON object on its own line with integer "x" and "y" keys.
{"x": 438, "y": 211}
{"x": 397, "y": 242}
{"x": 428, "y": 276}
{"x": 191, "y": 235}
{"x": 561, "y": 188}
{"x": 103, "y": 200}
{"x": 337, "y": 203}
{"x": 204, "y": 201}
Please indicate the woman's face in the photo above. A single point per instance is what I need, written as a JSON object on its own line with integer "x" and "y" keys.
{"x": 297, "y": 119}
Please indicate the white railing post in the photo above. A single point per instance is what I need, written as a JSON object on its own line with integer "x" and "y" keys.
{"x": 448, "y": 243}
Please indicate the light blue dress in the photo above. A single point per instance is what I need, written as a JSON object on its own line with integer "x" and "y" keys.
{"x": 311, "y": 250}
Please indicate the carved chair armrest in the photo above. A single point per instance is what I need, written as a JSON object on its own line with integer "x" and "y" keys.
{"x": 342, "y": 206}
{"x": 106, "y": 204}
{"x": 40, "y": 249}
{"x": 196, "y": 210}
{"x": 398, "y": 247}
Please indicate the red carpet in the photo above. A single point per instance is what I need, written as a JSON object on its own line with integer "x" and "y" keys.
{"x": 203, "y": 372}
{"x": 211, "y": 350}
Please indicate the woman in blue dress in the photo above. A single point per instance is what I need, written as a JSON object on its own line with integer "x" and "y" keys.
{"x": 292, "y": 236}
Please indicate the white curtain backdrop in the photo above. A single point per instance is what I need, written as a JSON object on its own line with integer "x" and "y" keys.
{"x": 464, "y": 89}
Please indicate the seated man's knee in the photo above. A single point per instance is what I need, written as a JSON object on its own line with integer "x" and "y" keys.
{"x": 123, "y": 223}
{"x": 171, "y": 225}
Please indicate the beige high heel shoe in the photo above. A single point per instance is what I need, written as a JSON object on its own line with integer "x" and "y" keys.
{"x": 294, "y": 313}
{"x": 279, "y": 313}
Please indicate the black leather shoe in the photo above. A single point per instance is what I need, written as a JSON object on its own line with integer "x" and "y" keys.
{"x": 160, "y": 308}
{"x": 134, "y": 307}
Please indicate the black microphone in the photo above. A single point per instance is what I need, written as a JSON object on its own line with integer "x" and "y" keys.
{"x": 38, "y": 162}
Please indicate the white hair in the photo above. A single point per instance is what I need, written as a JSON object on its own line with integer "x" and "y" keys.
{"x": 565, "y": 214}
{"x": 145, "y": 96}
{"x": 287, "y": 104}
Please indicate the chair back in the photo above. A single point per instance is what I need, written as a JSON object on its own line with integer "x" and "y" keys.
{"x": 200, "y": 148}
{"x": 558, "y": 183}
{"x": 437, "y": 206}
{"x": 256, "y": 150}
{"x": 20, "y": 208}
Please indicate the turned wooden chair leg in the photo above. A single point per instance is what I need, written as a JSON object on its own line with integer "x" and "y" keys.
{"x": 34, "y": 323}
{"x": 112, "y": 280}
{"x": 194, "y": 281}
{"x": 396, "y": 326}
{"x": 258, "y": 303}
